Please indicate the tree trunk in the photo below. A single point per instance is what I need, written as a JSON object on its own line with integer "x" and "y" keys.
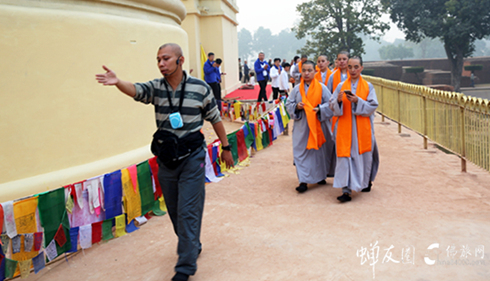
{"x": 457, "y": 60}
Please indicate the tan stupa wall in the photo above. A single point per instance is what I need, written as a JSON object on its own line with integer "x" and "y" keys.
{"x": 57, "y": 125}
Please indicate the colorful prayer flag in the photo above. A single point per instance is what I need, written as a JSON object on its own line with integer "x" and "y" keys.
{"x": 52, "y": 211}
{"x": 10, "y": 268}
{"x": 39, "y": 262}
{"x": 96, "y": 232}
{"x": 85, "y": 235}
{"x": 145, "y": 187}
{"x": 74, "y": 239}
{"x": 25, "y": 268}
{"x": 38, "y": 240}
{"x": 107, "y": 229}
{"x": 120, "y": 225}
{"x": 132, "y": 199}
{"x": 28, "y": 242}
{"x": 112, "y": 194}
{"x": 9, "y": 221}
{"x": 16, "y": 244}
{"x": 60, "y": 236}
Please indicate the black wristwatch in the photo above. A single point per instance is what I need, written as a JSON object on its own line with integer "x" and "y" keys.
{"x": 228, "y": 147}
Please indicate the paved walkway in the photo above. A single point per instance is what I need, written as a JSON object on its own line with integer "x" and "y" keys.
{"x": 257, "y": 227}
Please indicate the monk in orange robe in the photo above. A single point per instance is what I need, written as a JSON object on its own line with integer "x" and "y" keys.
{"x": 308, "y": 107}
{"x": 354, "y": 102}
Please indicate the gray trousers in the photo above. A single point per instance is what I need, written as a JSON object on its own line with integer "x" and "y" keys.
{"x": 183, "y": 190}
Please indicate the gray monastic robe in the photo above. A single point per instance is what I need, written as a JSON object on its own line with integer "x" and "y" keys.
{"x": 312, "y": 165}
{"x": 356, "y": 171}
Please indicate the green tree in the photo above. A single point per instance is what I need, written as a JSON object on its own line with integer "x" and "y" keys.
{"x": 263, "y": 41}
{"x": 458, "y": 23}
{"x": 392, "y": 52}
{"x": 334, "y": 25}
{"x": 245, "y": 44}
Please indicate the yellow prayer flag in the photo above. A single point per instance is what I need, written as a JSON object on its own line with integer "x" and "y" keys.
{"x": 163, "y": 206}
{"x": 284, "y": 116}
{"x": 258, "y": 138}
{"x": 120, "y": 225}
{"x": 203, "y": 61}
{"x": 132, "y": 199}
{"x": 70, "y": 204}
{"x": 25, "y": 268}
{"x": 25, "y": 215}
{"x": 237, "y": 107}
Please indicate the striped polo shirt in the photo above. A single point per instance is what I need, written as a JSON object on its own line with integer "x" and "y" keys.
{"x": 199, "y": 103}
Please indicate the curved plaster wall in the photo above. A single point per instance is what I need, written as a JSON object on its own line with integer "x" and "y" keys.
{"x": 57, "y": 125}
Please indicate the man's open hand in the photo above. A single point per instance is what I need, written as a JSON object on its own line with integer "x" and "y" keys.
{"x": 227, "y": 158}
{"x": 108, "y": 79}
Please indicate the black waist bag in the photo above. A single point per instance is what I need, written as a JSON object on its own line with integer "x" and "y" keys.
{"x": 172, "y": 150}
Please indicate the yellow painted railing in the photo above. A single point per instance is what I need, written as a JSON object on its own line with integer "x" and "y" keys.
{"x": 456, "y": 122}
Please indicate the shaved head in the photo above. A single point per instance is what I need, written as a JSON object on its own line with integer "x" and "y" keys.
{"x": 176, "y": 49}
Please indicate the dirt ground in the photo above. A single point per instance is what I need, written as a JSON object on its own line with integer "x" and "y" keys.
{"x": 257, "y": 227}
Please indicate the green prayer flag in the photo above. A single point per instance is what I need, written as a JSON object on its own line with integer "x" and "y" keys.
{"x": 52, "y": 213}
{"x": 107, "y": 229}
{"x": 232, "y": 140}
{"x": 265, "y": 139}
{"x": 5, "y": 243}
{"x": 157, "y": 211}
{"x": 146, "y": 187}
{"x": 10, "y": 267}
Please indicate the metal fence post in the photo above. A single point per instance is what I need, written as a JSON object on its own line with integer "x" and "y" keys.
{"x": 399, "y": 113}
{"x": 382, "y": 103}
{"x": 425, "y": 122}
{"x": 463, "y": 141}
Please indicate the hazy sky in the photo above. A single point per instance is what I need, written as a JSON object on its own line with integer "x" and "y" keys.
{"x": 281, "y": 14}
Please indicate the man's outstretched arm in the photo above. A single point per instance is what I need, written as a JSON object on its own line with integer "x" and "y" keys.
{"x": 110, "y": 79}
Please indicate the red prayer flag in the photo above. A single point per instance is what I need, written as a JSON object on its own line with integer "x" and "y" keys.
{"x": 60, "y": 236}
{"x": 97, "y": 232}
{"x": 38, "y": 240}
{"x": 154, "y": 173}
{"x": 241, "y": 146}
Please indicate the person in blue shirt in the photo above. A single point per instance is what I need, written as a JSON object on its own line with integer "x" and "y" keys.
{"x": 262, "y": 72}
{"x": 213, "y": 78}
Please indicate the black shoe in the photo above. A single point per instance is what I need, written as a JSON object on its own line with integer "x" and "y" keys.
{"x": 322, "y": 182}
{"x": 302, "y": 187}
{"x": 180, "y": 277}
{"x": 367, "y": 189}
{"x": 344, "y": 198}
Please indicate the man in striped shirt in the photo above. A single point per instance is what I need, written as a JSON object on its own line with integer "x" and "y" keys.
{"x": 183, "y": 185}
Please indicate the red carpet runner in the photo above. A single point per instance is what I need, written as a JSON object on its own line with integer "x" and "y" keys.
{"x": 248, "y": 94}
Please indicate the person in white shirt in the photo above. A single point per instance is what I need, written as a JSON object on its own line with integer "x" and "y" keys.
{"x": 274, "y": 74}
{"x": 252, "y": 79}
{"x": 251, "y": 84}
{"x": 284, "y": 80}
{"x": 294, "y": 69}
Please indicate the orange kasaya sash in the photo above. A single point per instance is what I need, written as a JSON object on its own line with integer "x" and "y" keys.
{"x": 300, "y": 65}
{"x": 344, "y": 127}
{"x": 318, "y": 75}
{"x": 316, "y": 137}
